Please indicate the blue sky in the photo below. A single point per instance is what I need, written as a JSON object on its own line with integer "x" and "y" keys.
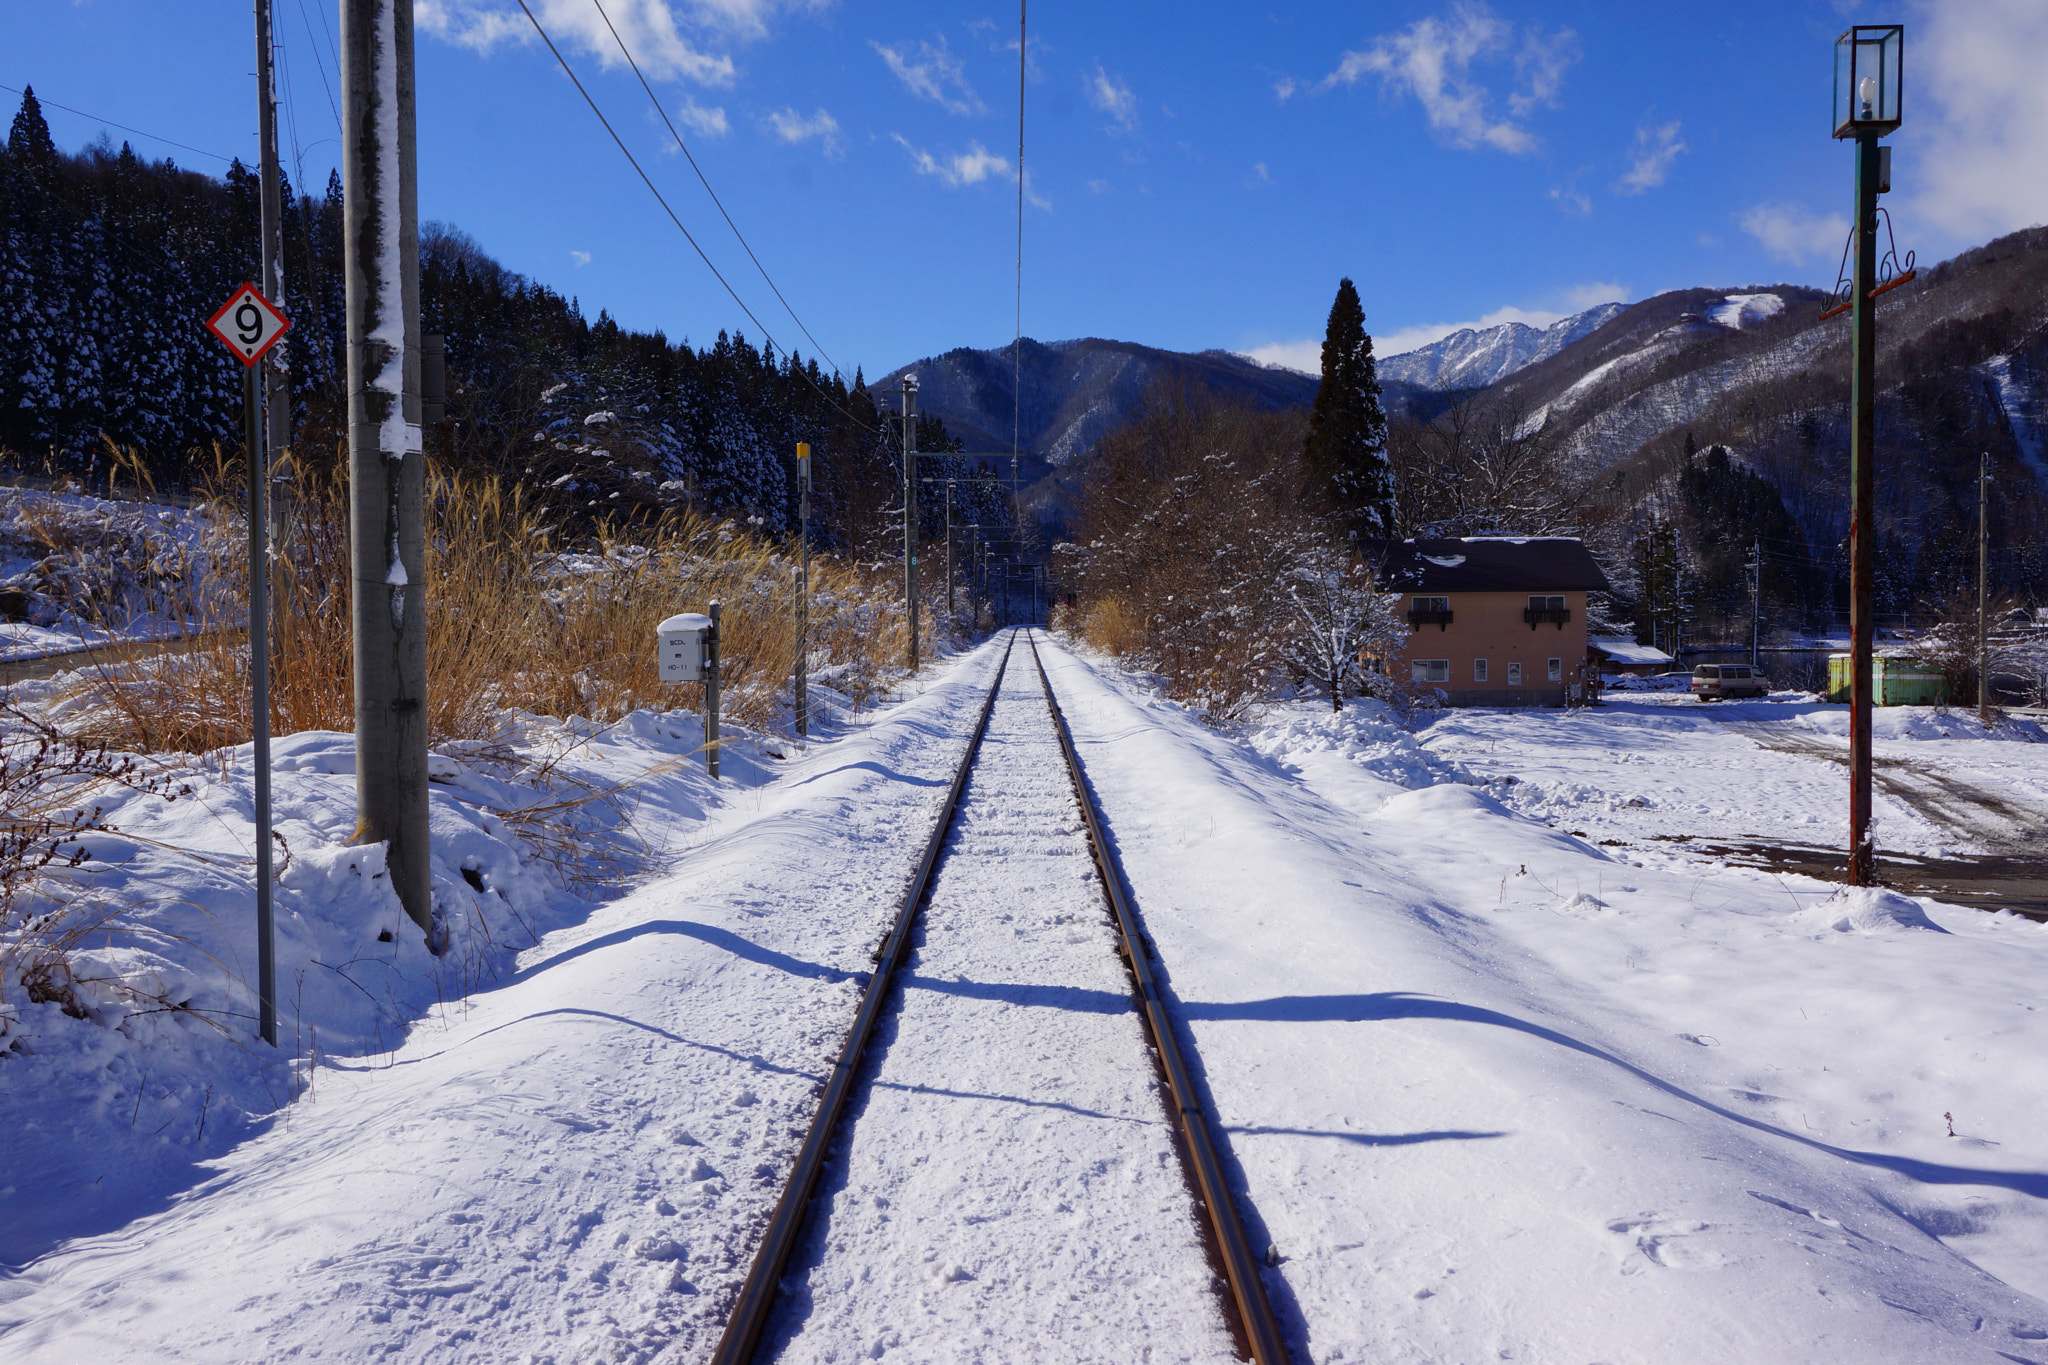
{"x": 1199, "y": 174}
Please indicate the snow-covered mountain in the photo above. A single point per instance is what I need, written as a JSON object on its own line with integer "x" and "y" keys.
{"x": 1468, "y": 359}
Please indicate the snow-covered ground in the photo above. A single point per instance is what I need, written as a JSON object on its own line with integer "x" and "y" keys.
{"x": 1489, "y": 1090}
{"x": 141, "y": 564}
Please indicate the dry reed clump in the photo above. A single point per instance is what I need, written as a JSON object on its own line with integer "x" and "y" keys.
{"x": 1113, "y": 626}
{"x": 519, "y": 617}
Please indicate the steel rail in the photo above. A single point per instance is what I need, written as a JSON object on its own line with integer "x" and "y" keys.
{"x": 1241, "y": 1268}
{"x": 757, "y": 1296}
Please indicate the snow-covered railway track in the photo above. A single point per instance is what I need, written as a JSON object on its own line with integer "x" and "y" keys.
{"x": 997, "y": 1173}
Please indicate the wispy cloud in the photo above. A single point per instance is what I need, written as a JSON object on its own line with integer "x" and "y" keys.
{"x": 579, "y": 259}
{"x": 970, "y": 167}
{"x": 793, "y": 128}
{"x": 1569, "y": 199}
{"x": 1651, "y": 157}
{"x": 1433, "y": 59}
{"x": 932, "y": 73}
{"x": 1114, "y": 98}
{"x": 1284, "y": 88}
{"x": 655, "y": 30}
{"x": 1794, "y": 233}
{"x": 702, "y": 121}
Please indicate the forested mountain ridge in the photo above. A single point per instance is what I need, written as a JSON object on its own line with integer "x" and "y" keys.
{"x": 1626, "y": 416}
{"x": 110, "y": 265}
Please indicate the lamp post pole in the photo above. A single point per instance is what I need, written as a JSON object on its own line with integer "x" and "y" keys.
{"x": 1862, "y": 492}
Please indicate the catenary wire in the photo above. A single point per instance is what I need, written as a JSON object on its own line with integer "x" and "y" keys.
{"x": 659, "y": 199}
{"x": 153, "y": 137}
{"x": 685, "y": 149}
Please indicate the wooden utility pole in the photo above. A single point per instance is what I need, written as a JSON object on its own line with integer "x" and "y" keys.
{"x": 387, "y": 468}
{"x": 277, "y": 397}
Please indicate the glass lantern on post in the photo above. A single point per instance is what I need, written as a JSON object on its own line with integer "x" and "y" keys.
{"x": 1869, "y": 64}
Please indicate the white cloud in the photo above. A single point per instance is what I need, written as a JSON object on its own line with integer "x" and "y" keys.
{"x": 579, "y": 258}
{"x": 1114, "y": 98}
{"x": 1305, "y": 356}
{"x": 702, "y": 121}
{"x": 1570, "y": 200}
{"x": 1098, "y": 187}
{"x": 1432, "y": 59}
{"x": 1651, "y": 157}
{"x": 653, "y": 29}
{"x": 1982, "y": 129}
{"x": 1284, "y": 88}
{"x": 792, "y": 127}
{"x": 1265, "y": 176}
{"x": 970, "y": 167}
{"x": 1791, "y": 232}
{"x": 932, "y": 73}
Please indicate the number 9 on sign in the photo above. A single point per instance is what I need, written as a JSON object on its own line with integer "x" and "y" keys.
{"x": 248, "y": 324}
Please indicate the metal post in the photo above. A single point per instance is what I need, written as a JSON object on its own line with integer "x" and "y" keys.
{"x": 259, "y": 702}
{"x": 1983, "y": 580}
{"x": 711, "y": 695}
{"x": 910, "y": 509}
{"x": 949, "y": 550}
{"x": 1862, "y": 491}
{"x": 803, "y": 589}
{"x": 387, "y": 470}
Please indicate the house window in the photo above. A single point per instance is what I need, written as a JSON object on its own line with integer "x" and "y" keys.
{"x": 1430, "y": 611}
{"x": 1514, "y": 675}
{"x": 1432, "y": 604}
{"x": 1479, "y": 670}
{"x": 1547, "y": 609}
{"x": 1557, "y": 670}
{"x": 1546, "y": 603}
{"x": 1429, "y": 670}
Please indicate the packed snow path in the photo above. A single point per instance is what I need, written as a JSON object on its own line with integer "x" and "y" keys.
{"x": 1007, "y": 1171}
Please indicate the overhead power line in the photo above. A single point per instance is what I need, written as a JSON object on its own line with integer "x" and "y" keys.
{"x": 652, "y": 189}
{"x": 685, "y": 148}
{"x": 153, "y": 137}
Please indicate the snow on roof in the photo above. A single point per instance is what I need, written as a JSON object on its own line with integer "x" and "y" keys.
{"x": 1486, "y": 564}
{"x": 1447, "y": 561}
{"x": 1623, "y": 650}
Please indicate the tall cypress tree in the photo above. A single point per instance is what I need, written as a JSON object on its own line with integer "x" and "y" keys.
{"x": 1346, "y": 450}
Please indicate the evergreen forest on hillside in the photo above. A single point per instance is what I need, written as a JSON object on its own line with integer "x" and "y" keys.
{"x": 111, "y": 263}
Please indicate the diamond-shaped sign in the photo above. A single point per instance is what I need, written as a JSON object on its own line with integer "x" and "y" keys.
{"x": 249, "y": 323}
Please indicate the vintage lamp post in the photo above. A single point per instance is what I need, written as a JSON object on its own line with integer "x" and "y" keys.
{"x": 1869, "y": 61}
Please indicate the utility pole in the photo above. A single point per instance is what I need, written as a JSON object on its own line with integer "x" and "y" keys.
{"x": 1756, "y": 596}
{"x": 909, "y": 392}
{"x": 803, "y": 590}
{"x": 1983, "y": 592}
{"x": 277, "y": 369}
{"x": 387, "y": 467}
{"x": 949, "y": 550}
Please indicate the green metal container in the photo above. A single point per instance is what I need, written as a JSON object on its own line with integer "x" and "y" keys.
{"x": 1895, "y": 681}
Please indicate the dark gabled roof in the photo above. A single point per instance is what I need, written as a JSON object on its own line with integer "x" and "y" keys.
{"x": 1486, "y": 564}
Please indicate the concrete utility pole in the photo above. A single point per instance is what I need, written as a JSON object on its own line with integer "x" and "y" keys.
{"x": 387, "y": 468}
{"x": 1983, "y": 591}
{"x": 909, "y": 392}
{"x": 803, "y": 589}
{"x": 1756, "y": 597}
{"x": 949, "y": 550}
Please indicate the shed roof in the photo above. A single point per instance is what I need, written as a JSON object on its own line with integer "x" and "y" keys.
{"x": 1625, "y": 651}
{"x": 1487, "y": 564}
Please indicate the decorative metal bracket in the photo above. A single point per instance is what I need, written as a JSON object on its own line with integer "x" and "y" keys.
{"x": 1891, "y": 273}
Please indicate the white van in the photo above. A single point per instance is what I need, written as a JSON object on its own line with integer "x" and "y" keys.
{"x": 1711, "y": 682}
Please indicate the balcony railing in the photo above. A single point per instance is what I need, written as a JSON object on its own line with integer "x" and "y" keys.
{"x": 1537, "y": 616}
{"x": 1440, "y": 619}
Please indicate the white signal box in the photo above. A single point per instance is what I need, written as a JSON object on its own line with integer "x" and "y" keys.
{"x": 680, "y": 640}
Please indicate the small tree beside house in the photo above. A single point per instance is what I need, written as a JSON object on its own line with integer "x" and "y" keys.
{"x": 1336, "y": 616}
